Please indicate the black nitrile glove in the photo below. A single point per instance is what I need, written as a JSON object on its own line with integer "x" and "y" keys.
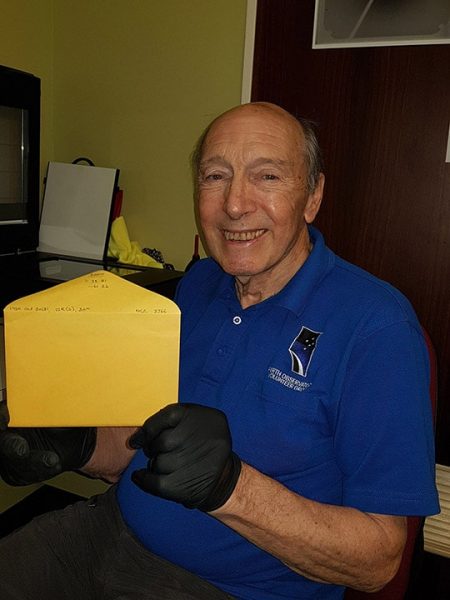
{"x": 191, "y": 461}
{"x": 30, "y": 455}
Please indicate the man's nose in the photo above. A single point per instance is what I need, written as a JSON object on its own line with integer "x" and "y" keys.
{"x": 238, "y": 198}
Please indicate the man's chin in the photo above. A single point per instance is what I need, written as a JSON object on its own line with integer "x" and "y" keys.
{"x": 238, "y": 266}
{"x": 239, "y": 270}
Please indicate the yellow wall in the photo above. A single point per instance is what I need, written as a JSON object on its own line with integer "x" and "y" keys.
{"x": 131, "y": 84}
{"x": 135, "y": 82}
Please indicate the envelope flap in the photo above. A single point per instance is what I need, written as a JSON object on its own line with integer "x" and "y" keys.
{"x": 97, "y": 292}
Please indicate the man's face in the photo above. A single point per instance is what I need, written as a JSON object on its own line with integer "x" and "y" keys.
{"x": 253, "y": 194}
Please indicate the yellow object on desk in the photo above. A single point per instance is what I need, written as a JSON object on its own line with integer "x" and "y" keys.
{"x": 126, "y": 251}
{"x": 94, "y": 351}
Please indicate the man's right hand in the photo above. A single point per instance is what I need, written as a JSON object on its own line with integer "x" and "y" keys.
{"x": 31, "y": 455}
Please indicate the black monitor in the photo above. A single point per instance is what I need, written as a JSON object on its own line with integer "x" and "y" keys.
{"x": 19, "y": 160}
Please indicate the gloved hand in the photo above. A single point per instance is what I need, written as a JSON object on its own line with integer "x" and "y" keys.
{"x": 191, "y": 460}
{"x": 30, "y": 455}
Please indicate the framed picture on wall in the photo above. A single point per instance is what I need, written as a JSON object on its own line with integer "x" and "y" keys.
{"x": 349, "y": 23}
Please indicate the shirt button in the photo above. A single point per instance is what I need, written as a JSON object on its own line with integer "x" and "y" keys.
{"x": 220, "y": 351}
{"x": 237, "y": 320}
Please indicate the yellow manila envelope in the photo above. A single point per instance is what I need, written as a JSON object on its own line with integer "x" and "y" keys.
{"x": 94, "y": 351}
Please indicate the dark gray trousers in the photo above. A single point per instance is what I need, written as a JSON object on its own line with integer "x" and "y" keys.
{"x": 86, "y": 552}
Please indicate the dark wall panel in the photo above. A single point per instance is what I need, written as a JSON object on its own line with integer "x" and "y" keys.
{"x": 383, "y": 117}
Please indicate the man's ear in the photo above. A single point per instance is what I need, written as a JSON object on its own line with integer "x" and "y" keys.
{"x": 314, "y": 200}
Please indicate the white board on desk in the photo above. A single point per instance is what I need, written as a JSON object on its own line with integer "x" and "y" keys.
{"x": 76, "y": 210}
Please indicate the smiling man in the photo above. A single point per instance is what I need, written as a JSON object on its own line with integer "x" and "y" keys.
{"x": 303, "y": 436}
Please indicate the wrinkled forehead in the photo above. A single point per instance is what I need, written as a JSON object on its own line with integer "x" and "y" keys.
{"x": 252, "y": 127}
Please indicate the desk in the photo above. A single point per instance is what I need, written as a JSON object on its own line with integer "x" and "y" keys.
{"x": 20, "y": 275}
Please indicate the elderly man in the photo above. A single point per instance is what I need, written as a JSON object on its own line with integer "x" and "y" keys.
{"x": 303, "y": 436}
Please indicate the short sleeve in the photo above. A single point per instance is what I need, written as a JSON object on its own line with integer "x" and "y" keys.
{"x": 384, "y": 435}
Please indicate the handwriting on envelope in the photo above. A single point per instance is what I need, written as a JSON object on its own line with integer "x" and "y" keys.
{"x": 94, "y": 351}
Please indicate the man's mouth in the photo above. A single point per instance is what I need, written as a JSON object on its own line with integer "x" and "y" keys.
{"x": 242, "y": 236}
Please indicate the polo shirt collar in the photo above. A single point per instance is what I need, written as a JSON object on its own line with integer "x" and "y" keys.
{"x": 296, "y": 293}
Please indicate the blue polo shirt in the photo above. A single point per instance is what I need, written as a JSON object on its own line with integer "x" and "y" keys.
{"x": 325, "y": 386}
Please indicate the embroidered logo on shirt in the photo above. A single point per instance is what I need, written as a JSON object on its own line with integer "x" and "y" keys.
{"x": 287, "y": 380}
{"x": 302, "y": 350}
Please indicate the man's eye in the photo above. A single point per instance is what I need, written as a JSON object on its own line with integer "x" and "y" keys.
{"x": 269, "y": 177}
{"x": 212, "y": 177}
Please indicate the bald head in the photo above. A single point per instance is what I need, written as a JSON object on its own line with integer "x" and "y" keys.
{"x": 299, "y": 132}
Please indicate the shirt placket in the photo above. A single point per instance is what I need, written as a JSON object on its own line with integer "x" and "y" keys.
{"x": 220, "y": 357}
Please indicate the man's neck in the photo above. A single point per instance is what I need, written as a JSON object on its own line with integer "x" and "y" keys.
{"x": 253, "y": 289}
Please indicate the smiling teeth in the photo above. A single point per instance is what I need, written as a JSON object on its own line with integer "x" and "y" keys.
{"x": 242, "y": 236}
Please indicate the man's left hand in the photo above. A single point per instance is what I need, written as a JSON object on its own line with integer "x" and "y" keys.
{"x": 190, "y": 456}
